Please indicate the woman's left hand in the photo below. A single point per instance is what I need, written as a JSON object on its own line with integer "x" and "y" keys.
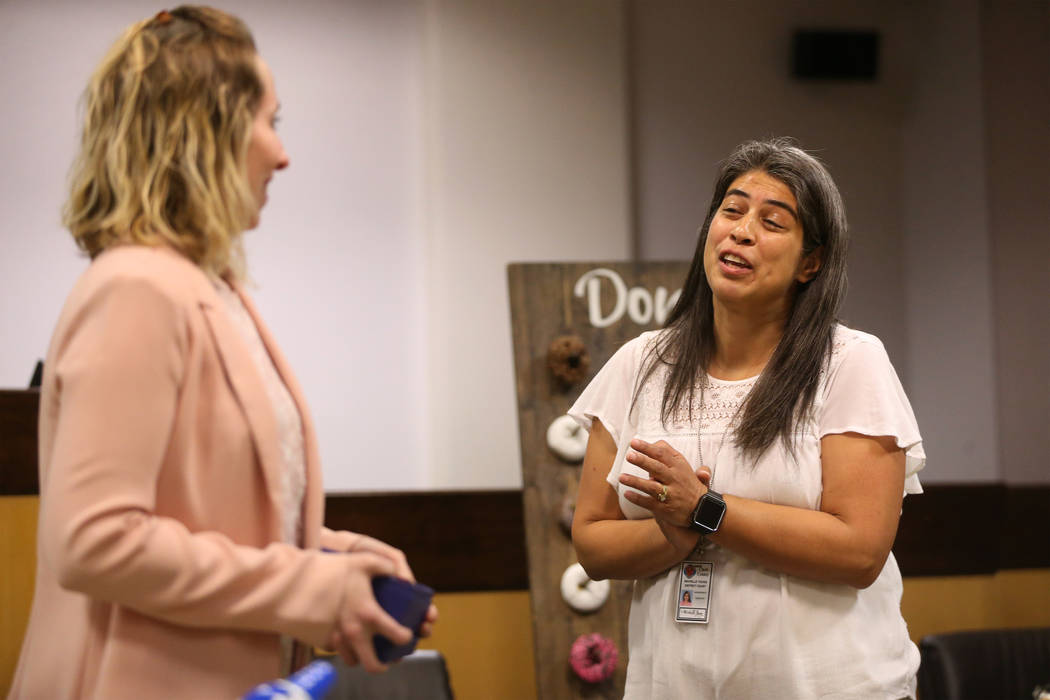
{"x": 427, "y": 628}
{"x": 670, "y": 476}
{"x": 364, "y": 543}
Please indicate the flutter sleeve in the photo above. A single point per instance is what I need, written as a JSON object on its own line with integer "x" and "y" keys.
{"x": 864, "y": 395}
{"x": 609, "y": 395}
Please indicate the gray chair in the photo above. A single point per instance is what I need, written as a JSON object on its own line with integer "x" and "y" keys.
{"x": 1003, "y": 664}
{"x": 419, "y": 676}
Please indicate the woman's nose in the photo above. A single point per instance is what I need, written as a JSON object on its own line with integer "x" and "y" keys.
{"x": 741, "y": 233}
{"x": 282, "y": 160}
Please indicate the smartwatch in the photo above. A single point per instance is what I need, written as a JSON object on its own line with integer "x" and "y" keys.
{"x": 708, "y": 514}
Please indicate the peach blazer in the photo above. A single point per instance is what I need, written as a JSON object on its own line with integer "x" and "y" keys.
{"x": 160, "y": 571}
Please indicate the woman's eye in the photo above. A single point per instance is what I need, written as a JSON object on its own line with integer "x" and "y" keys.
{"x": 773, "y": 223}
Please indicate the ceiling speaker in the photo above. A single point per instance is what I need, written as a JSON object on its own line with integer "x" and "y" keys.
{"x": 835, "y": 55}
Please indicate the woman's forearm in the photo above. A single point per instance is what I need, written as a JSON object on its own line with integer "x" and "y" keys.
{"x": 626, "y": 549}
{"x": 810, "y": 544}
{"x": 849, "y": 538}
{"x": 846, "y": 541}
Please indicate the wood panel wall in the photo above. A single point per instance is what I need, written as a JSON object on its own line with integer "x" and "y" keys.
{"x": 603, "y": 305}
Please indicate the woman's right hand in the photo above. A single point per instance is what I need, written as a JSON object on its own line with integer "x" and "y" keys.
{"x": 361, "y": 617}
{"x": 607, "y": 544}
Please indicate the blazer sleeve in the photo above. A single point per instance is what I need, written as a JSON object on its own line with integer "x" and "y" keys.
{"x": 118, "y": 373}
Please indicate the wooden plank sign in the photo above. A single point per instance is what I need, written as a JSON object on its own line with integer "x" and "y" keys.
{"x": 604, "y": 305}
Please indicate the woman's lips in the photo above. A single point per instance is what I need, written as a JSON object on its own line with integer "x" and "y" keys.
{"x": 733, "y": 265}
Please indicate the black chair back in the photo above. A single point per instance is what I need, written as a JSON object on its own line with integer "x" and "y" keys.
{"x": 1004, "y": 664}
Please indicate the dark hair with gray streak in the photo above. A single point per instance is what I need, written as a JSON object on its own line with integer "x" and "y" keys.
{"x": 785, "y": 390}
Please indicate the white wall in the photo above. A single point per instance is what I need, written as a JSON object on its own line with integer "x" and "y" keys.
{"x": 948, "y": 315}
{"x": 1015, "y": 38}
{"x": 527, "y": 161}
{"x": 431, "y": 143}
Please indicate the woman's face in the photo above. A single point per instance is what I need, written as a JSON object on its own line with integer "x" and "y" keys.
{"x": 753, "y": 255}
{"x": 265, "y": 151}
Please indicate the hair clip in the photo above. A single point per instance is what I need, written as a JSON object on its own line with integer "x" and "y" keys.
{"x": 163, "y": 17}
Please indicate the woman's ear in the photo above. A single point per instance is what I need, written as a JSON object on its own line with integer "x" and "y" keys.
{"x": 809, "y": 265}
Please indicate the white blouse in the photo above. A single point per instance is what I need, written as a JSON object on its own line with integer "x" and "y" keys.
{"x": 769, "y": 634}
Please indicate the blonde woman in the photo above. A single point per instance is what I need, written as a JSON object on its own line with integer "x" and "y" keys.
{"x": 181, "y": 520}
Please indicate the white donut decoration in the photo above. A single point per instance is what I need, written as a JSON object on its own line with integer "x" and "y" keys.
{"x": 580, "y": 592}
{"x": 567, "y": 439}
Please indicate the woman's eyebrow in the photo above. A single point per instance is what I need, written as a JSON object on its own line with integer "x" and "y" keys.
{"x": 774, "y": 202}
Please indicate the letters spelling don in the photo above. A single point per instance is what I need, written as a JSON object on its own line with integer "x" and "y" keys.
{"x": 641, "y": 306}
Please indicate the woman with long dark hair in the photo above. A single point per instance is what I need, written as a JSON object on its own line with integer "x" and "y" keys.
{"x": 755, "y": 452}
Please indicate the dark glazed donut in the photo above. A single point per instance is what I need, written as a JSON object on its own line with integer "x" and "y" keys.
{"x": 568, "y": 359}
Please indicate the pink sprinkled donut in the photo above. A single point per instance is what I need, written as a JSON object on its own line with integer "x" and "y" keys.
{"x": 593, "y": 657}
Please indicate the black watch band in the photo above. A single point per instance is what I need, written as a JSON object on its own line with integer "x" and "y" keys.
{"x": 708, "y": 514}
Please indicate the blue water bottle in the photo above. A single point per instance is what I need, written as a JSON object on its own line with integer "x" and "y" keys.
{"x": 310, "y": 683}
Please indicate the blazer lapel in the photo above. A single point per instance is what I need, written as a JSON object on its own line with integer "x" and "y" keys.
{"x": 251, "y": 393}
{"x": 313, "y": 502}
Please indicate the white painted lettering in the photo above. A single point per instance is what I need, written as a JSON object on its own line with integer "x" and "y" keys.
{"x": 640, "y": 305}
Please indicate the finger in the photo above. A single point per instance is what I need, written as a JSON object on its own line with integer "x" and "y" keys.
{"x": 362, "y": 647}
{"x": 704, "y": 475}
{"x": 401, "y": 568}
{"x": 663, "y": 453}
{"x": 676, "y": 506}
{"x": 655, "y": 450}
{"x": 641, "y": 499}
{"x": 647, "y": 486}
{"x": 341, "y": 647}
{"x": 643, "y": 461}
{"x": 373, "y": 564}
{"x": 426, "y": 627}
{"x": 390, "y": 628}
{"x": 333, "y": 641}
{"x": 646, "y": 448}
{"x": 359, "y": 636}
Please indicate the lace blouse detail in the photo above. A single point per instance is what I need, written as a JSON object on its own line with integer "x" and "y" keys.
{"x": 289, "y": 422}
{"x": 717, "y": 408}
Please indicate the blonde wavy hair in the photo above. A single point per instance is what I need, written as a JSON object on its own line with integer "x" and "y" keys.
{"x": 167, "y": 123}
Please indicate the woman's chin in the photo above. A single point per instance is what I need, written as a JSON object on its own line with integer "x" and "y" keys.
{"x": 254, "y": 221}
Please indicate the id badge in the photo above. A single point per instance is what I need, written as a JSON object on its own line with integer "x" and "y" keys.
{"x": 694, "y": 592}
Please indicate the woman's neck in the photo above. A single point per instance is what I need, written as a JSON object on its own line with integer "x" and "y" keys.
{"x": 743, "y": 342}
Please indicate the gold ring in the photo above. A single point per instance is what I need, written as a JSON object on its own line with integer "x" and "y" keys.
{"x": 662, "y": 496}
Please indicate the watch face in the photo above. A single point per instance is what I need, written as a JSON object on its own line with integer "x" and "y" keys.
{"x": 709, "y": 514}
